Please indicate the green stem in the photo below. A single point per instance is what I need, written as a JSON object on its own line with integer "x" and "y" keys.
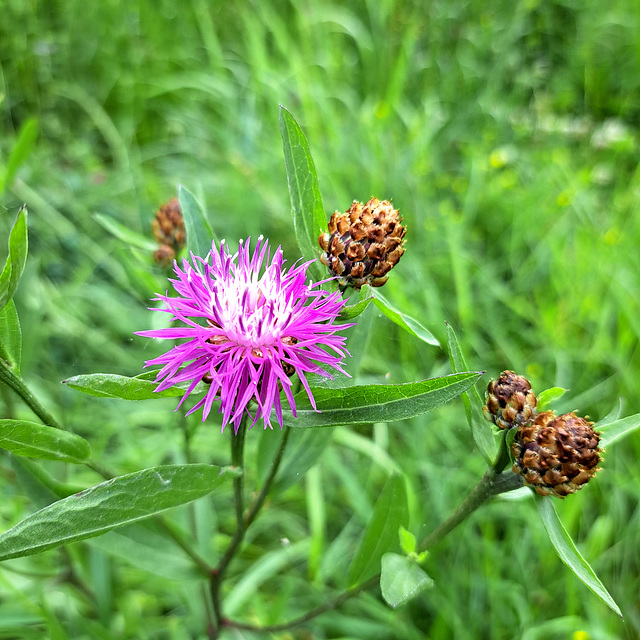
{"x": 218, "y": 574}
{"x": 490, "y": 484}
{"x": 273, "y": 470}
{"x": 15, "y": 382}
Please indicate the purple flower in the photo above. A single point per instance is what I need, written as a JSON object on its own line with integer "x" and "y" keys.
{"x": 247, "y": 333}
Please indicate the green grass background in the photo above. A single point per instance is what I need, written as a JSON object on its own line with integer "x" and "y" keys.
{"x": 505, "y": 133}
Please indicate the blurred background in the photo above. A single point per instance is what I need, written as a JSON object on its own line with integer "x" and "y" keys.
{"x": 506, "y": 135}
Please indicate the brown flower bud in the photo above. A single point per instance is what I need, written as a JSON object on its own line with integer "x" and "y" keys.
{"x": 168, "y": 227}
{"x": 364, "y": 243}
{"x": 556, "y": 455}
{"x": 509, "y": 401}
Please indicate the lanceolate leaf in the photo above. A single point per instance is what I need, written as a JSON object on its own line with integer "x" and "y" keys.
{"x": 20, "y": 152}
{"x": 480, "y": 428}
{"x": 197, "y": 228}
{"x": 125, "y": 234}
{"x": 381, "y": 535}
{"x": 17, "y": 258}
{"x": 109, "y": 385}
{"x": 377, "y": 402}
{"x": 10, "y": 336}
{"x": 613, "y": 431}
{"x": 108, "y": 505}
{"x": 403, "y": 320}
{"x": 548, "y": 397}
{"x": 568, "y": 553}
{"x": 39, "y": 441}
{"x": 309, "y": 219}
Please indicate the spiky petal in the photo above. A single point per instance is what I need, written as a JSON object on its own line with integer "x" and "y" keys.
{"x": 247, "y": 330}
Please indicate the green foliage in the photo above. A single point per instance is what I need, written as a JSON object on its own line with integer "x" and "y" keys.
{"x": 309, "y": 219}
{"x": 506, "y": 135}
{"x": 14, "y": 266}
{"x": 198, "y": 230}
{"x": 401, "y": 579}
{"x": 568, "y": 553}
{"x": 376, "y": 403}
{"x": 25, "y": 438}
{"x": 113, "y": 503}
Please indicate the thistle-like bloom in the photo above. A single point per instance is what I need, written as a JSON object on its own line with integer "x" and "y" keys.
{"x": 510, "y": 401}
{"x": 247, "y": 334}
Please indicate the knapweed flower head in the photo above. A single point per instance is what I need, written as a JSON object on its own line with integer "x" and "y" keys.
{"x": 246, "y": 332}
{"x": 509, "y": 401}
{"x": 363, "y": 244}
{"x": 556, "y": 455}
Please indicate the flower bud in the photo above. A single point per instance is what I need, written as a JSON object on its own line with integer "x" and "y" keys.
{"x": 363, "y": 244}
{"x": 168, "y": 230}
{"x": 510, "y": 401}
{"x": 556, "y": 455}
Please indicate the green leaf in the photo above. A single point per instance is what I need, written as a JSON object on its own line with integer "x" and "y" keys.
{"x": 21, "y": 151}
{"x": 125, "y": 234}
{"x": 403, "y": 320}
{"x": 197, "y": 228}
{"x": 407, "y": 541}
{"x": 481, "y": 430}
{"x": 401, "y": 579}
{"x": 309, "y": 219}
{"x": 549, "y": 396}
{"x": 109, "y": 505}
{"x": 35, "y": 440}
{"x": 11, "y": 336}
{"x": 381, "y": 534}
{"x": 111, "y": 385}
{"x": 568, "y": 553}
{"x": 16, "y": 260}
{"x": 377, "y": 402}
{"x": 614, "y": 431}
{"x": 351, "y": 311}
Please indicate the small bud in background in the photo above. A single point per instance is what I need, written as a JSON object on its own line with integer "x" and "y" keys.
{"x": 164, "y": 255}
{"x": 509, "y": 401}
{"x": 363, "y": 244}
{"x": 556, "y": 455}
{"x": 168, "y": 230}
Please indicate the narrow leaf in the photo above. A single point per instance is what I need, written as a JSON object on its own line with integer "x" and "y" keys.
{"x": 614, "y": 431}
{"x": 401, "y": 579}
{"x": 381, "y": 535}
{"x": 11, "y": 337}
{"x": 351, "y": 311}
{"x": 548, "y": 396}
{"x": 111, "y": 385}
{"x": 309, "y": 219}
{"x": 108, "y": 505}
{"x": 197, "y": 228}
{"x": 125, "y": 234}
{"x": 403, "y": 320}
{"x": 16, "y": 260}
{"x": 21, "y": 151}
{"x": 480, "y": 429}
{"x": 568, "y": 553}
{"x": 377, "y": 402}
{"x": 35, "y": 440}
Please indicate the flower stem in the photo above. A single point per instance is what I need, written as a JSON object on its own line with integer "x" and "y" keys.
{"x": 490, "y": 484}
{"x": 15, "y": 382}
